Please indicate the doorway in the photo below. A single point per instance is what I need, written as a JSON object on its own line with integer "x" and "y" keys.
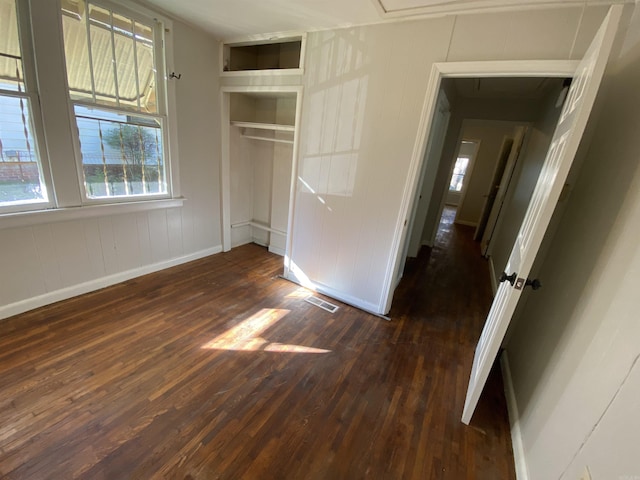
{"x": 441, "y": 72}
{"x": 558, "y": 156}
{"x": 488, "y": 116}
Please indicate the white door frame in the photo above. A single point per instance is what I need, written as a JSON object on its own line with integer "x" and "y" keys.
{"x": 508, "y": 68}
{"x": 225, "y": 172}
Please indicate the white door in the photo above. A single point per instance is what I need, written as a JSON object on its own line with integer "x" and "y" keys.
{"x": 507, "y": 174}
{"x": 561, "y": 153}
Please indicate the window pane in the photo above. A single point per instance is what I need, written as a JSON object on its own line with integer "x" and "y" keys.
{"x": 102, "y": 56}
{"x": 121, "y": 154}
{"x": 76, "y": 51}
{"x": 115, "y": 40}
{"x": 125, "y": 62}
{"x": 20, "y": 175}
{"x": 11, "y": 74}
{"x": 146, "y": 67}
{"x": 459, "y": 171}
{"x": 456, "y": 183}
{"x": 9, "y": 40}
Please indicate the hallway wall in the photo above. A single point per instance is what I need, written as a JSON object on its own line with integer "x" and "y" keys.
{"x": 490, "y": 135}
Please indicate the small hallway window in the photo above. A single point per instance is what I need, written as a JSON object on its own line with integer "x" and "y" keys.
{"x": 459, "y": 171}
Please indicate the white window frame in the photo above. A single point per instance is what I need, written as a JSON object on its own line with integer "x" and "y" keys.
{"x": 166, "y": 104}
{"x": 41, "y": 39}
{"x": 23, "y": 15}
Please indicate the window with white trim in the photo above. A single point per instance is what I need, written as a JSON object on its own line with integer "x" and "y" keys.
{"x": 22, "y": 180}
{"x": 114, "y": 64}
{"x": 459, "y": 172}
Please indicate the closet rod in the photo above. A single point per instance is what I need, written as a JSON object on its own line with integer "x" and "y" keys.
{"x": 267, "y": 139}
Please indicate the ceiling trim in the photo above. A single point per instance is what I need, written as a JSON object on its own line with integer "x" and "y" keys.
{"x": 479, "y": 6}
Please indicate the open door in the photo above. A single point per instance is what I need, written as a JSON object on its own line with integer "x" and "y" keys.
{"x": 500, "y": 190}
{"x": 562, "y": 151}
{"x": 496, "y": 181}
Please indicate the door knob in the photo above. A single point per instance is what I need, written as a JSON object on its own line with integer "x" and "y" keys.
{"x": 534, "y": 284}
{"x": 510, "y": 278}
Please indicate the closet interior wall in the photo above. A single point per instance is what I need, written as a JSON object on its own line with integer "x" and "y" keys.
{"x": 261, "y": 156}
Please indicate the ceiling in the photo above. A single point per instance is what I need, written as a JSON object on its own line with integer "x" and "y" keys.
{"x": 529, "y": 88}
{"x": 228, "y": 19}
{"x": 235, "y": 18}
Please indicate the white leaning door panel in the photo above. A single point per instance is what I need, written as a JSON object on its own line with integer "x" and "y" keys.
{"x": 562, "y": 151}
{"x": 507, "y": 175}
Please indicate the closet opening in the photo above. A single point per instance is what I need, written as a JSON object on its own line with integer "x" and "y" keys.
{"x": 259, "y": 147}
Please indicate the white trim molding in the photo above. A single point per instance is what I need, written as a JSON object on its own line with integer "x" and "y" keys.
{"x": 37, "y": 217}
{"x": 397, "y": 9}
{"x": 98, "y": 283}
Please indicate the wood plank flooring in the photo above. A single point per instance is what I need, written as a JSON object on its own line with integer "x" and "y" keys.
{"x": 217, "y": 369}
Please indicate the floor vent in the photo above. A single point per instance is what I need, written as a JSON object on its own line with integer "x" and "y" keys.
{"x": 318, "y": 302}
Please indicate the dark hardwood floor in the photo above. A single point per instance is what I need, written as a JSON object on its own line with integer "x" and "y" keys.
{"x": 217, "y": 369}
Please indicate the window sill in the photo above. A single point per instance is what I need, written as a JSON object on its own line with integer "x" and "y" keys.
{"x": 25, "y": 219}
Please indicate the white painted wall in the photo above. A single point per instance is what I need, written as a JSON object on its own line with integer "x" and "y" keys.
{"x": 281, "y": 185}
{"x": 491, "y": 135}
{"x": 574, "y": 350}
{"x": 364, "y": 89}
{"x": 58, "y": 259}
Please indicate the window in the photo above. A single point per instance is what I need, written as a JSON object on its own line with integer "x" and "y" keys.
{"x": 112, "y": 72}
{"x": 22, "y": 184}
{"x": 459, "y": 171}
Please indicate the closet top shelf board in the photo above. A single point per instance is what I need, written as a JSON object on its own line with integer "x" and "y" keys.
{"x": 265, "y": 126}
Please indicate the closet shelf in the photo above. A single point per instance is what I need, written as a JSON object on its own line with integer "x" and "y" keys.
{"x": 260, "y": 225}
{"x": 265, "y": 126}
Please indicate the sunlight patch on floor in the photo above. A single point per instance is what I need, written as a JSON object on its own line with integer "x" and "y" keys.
{"x": 301, "y": 292}
{"x": 246, "y": 335}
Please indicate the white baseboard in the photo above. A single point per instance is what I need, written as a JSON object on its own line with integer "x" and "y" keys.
{"x": 98, "y": 283}
{"x": 342, "y": 297}
{"x": 257, "y": 241}
{"x": 277, "y": 250}
{"x": 519, "y": 459}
